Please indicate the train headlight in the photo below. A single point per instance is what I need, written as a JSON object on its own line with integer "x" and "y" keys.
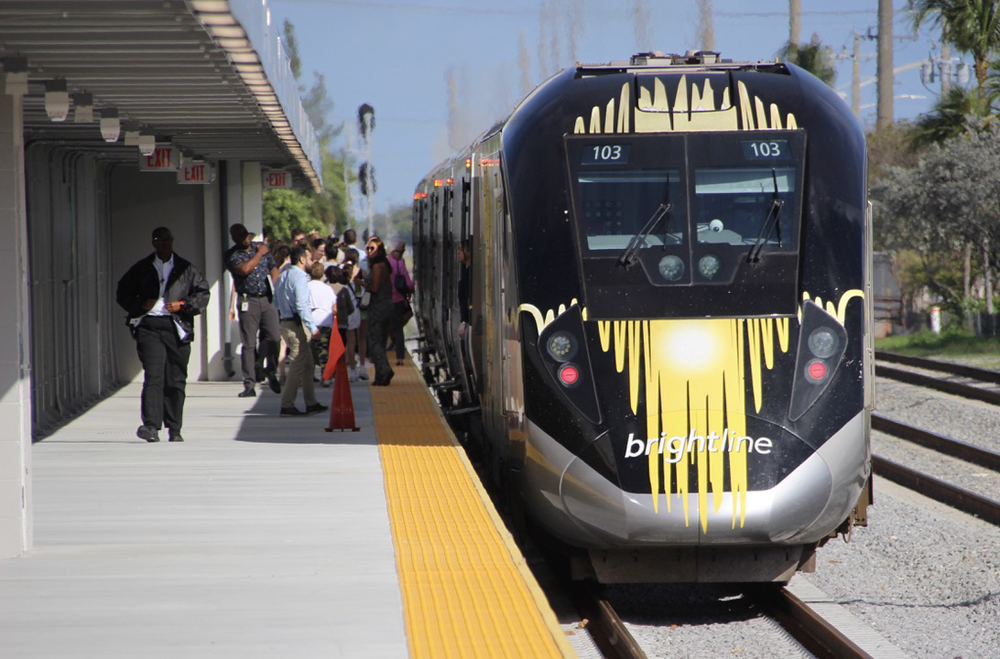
{"x": 709, "y": 265}
{"x": 822, "y": 342}
{"x": 562, "y": 346}
{"x": 671, "y": 267}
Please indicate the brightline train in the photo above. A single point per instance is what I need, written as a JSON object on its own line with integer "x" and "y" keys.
{"x": 668, "y": 364}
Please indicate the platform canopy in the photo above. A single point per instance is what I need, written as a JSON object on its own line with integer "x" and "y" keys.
{"x": 210, "y": 77}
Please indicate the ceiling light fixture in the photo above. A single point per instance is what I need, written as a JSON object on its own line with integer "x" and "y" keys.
{"x": 56, "y": 99}
{"x": 147, "y": 144}
{"x": 111, "y": 126}
{"x": 83, "y": 108}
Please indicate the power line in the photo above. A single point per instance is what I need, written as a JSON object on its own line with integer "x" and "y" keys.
{"x": 396, "y": 6}
{"x": 783, "y": 14}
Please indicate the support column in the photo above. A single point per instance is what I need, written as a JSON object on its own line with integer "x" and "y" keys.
{"x": 15, "y": 349}
{"x": 253, "y": 205}
{"x": 216, "y": 317}
{"x": 232, "y": 213}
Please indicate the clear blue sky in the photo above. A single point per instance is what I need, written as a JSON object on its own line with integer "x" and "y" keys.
{"x": 399, "y": 56}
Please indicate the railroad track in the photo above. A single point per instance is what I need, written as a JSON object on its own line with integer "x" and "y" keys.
{"x": 963, "y": 389}
{"x": 952, "y": 495}
{"x": 810, "y": 629}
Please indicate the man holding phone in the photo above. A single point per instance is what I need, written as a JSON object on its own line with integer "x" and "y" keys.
{"x": 254, "y": 274}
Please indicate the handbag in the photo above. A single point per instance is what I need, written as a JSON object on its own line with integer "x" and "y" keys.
{"x": 399, "y": 281}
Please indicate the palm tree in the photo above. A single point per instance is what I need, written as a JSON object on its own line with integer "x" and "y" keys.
{"x": 814, "y": 57}
{"x": 948, "y": 118}
{"x": 972, "y": 26}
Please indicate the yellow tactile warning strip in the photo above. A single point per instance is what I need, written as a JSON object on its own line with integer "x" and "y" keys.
{"x": 467, "y": 591}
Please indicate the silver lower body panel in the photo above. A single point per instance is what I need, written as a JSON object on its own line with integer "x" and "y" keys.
{"x": 584, "y": 509}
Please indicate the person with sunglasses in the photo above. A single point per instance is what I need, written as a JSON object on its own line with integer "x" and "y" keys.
{"x": 380, "y": 311}
{"x": 161, "y": 294}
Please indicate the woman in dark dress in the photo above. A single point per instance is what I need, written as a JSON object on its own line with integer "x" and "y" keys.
{"x": 380, "y": 311}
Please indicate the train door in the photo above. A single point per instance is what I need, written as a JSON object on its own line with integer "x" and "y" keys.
{"x": 511, "y": 373}
{"x": 465, "y": 237}
{"x": 494, "y": 293}
{"x": 447, "y": 258}
{"x": 421, "y": 253}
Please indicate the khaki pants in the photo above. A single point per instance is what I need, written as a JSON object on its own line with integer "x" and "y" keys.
{"x": 300, "y": 370}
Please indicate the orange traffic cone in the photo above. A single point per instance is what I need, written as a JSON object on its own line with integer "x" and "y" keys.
{"x": 342, "y": 406}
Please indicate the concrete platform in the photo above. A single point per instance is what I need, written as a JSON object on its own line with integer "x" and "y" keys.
{"x": 257, "y": 537}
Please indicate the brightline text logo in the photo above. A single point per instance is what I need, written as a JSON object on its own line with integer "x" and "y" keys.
{"x": 678, "y": 446}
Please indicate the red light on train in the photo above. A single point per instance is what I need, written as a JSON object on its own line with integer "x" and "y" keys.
{"x": 468, "y": 163}
{"x": 438, "y": 183}
{"x": 420, "y": 195}
{"x": 569, "y": 374}
{"x": 450, "y": 181}
{"x": 817, "y": 370}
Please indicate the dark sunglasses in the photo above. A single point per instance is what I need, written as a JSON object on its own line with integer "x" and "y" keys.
{"x": 168, "y": 239}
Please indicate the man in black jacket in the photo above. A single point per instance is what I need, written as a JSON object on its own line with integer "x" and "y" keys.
{"x": 162, "y": 294}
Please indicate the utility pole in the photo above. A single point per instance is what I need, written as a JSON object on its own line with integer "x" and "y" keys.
{"x": 856, "y": 78}
{"x": 945, "y": 62}
{"x": 794, "y": 21}
{"x": 884, "y": 113}
{"x": 706, "y": 31}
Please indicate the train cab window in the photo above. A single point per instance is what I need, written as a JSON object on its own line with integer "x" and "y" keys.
{"x": 737, "y": 206}
{"x": 617, "y": 206}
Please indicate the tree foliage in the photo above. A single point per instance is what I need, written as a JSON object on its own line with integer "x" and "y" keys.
{"x": 972, "y": 26}
{"x": 814, "y": 57}
{"x": 286, "y": 210}
{"x": 949, "y": 117}
{"x": 949, "y": 199}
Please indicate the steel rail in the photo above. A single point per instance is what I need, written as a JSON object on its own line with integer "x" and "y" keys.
{"x": 951, "y": 495}
{"x": 606, "y": 628}
{"x": 808, "y": 627}
{"x": 951, "y": 447}
{"x": 983, "y": 374}
{"x": 921, "y": 380}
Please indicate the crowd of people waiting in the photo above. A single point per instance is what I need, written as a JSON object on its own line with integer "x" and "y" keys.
{"x": 362, "y": 292}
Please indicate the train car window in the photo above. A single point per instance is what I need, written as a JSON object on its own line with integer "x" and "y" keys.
{"x": 734, "y": 204}
{"x": 616, "y": 206}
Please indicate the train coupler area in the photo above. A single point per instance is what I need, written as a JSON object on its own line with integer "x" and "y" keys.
{"x": 696, "y": 564}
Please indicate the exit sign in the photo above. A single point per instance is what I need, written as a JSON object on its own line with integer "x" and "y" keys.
{"x": 194, "y": 172}
{"x": 277, "y": 178}
{"x": 163, "y": 159}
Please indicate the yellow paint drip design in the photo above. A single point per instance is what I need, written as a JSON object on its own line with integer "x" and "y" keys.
{"x": 692, "y": 375}
{"x": 692, "y": 110}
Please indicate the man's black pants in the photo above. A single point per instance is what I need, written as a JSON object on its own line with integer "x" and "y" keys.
{"x": 164, "y": 359}
{"x": 260, "y": 316}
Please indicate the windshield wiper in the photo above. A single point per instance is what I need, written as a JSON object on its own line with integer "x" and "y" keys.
{"x": 770, "y": 224}
{"x": 627, "y": 259}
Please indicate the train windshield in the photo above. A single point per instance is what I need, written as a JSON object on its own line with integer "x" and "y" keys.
{"x": 714, "y": 217}
{"x": 739, "y": 206}
{"x": 617, "y": 206}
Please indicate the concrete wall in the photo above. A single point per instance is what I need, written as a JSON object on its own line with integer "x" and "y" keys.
{"x": 71, "y": 308}
{"x": 15, "y": 348}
